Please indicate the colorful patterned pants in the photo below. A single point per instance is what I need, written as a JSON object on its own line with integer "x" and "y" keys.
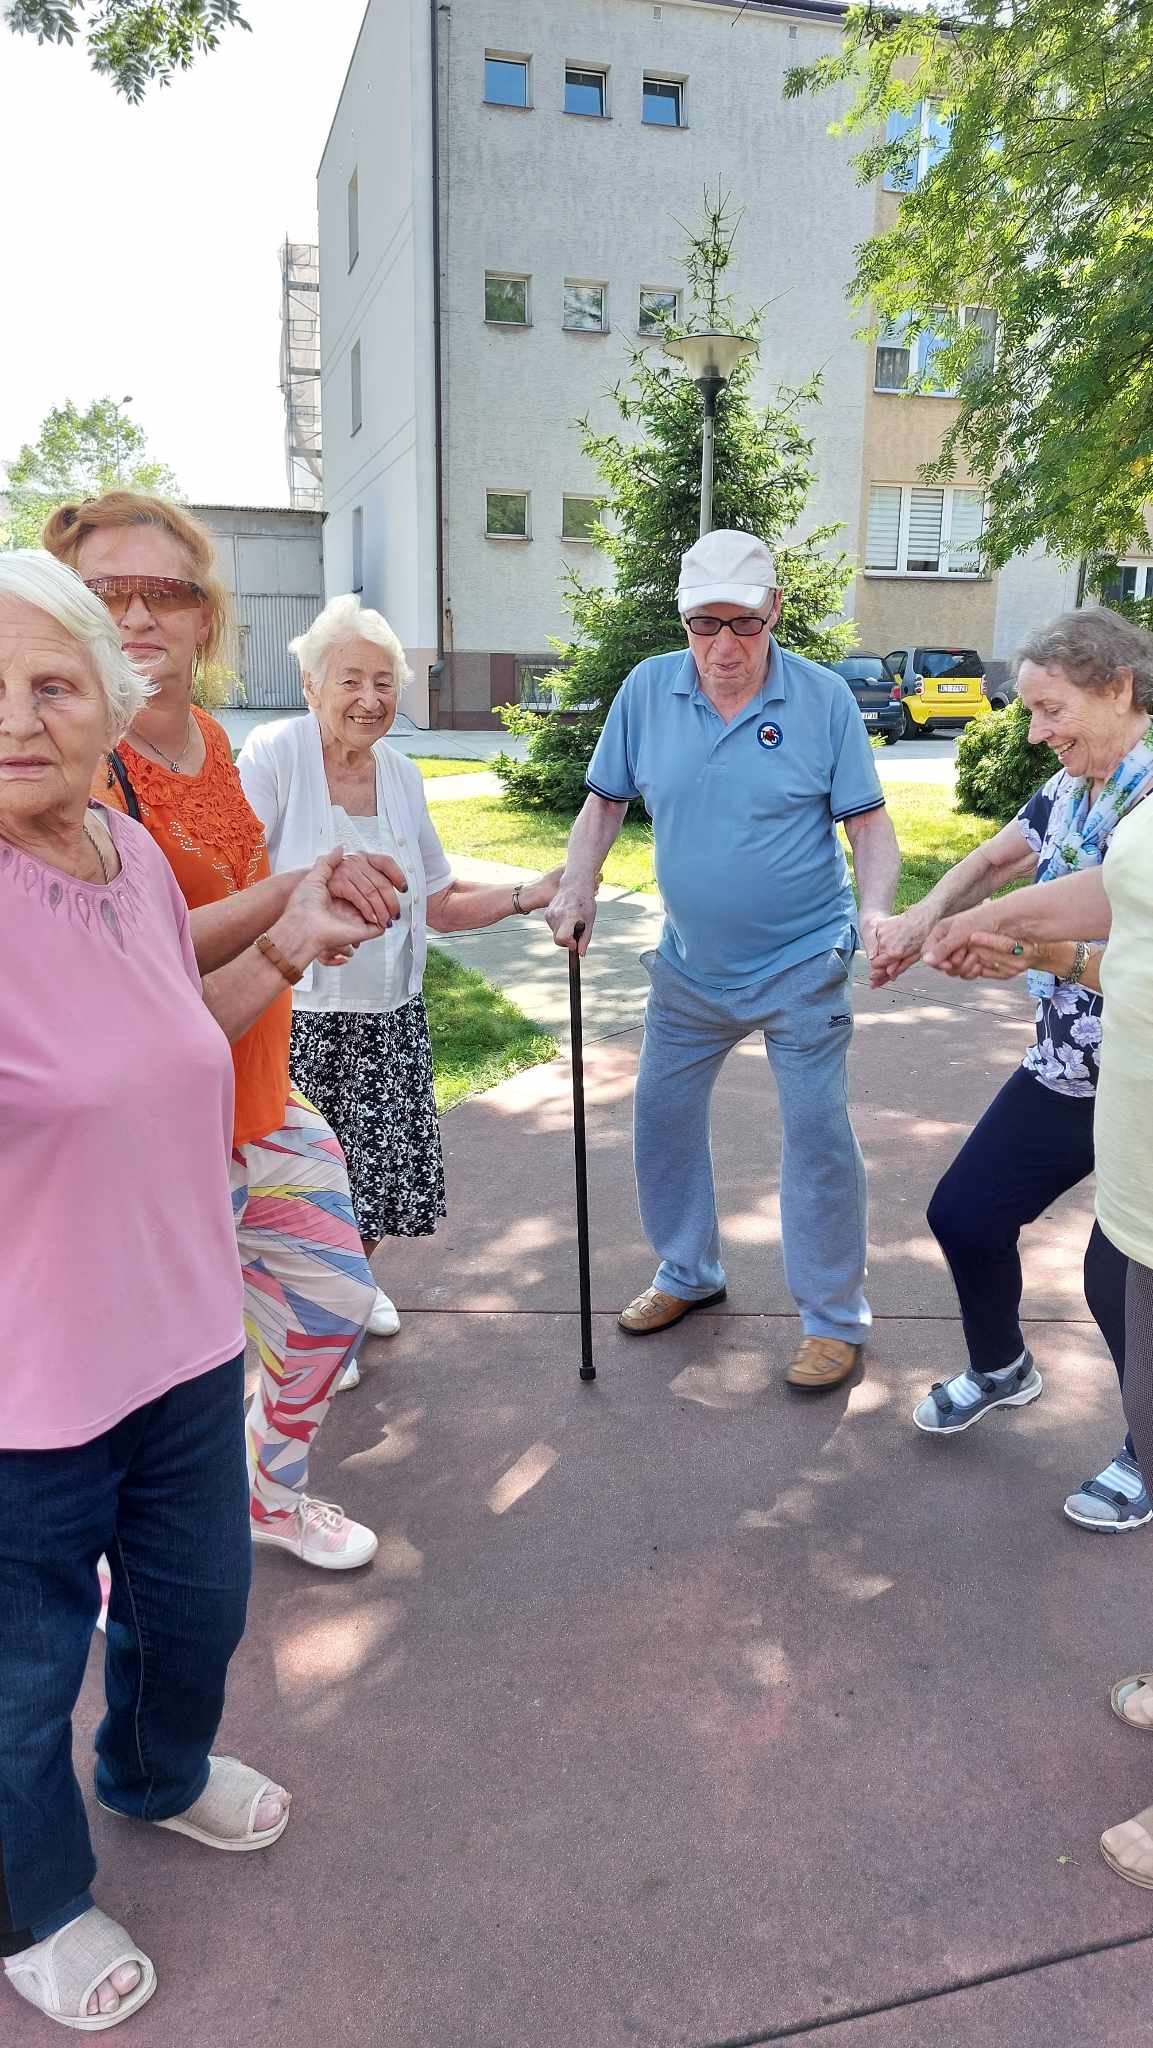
{"x": 308, "y": 1293}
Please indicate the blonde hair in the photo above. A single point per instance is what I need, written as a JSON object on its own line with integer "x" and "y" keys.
{"x": 345, "y": 618}
{"x": 32, "y": 577}
{"x": 67, "y": 529}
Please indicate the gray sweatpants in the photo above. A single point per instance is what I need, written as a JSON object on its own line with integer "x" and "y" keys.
{"x": 805, "y": 1014}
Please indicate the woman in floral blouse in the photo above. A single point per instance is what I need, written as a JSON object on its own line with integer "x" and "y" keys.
{"x": 1087, "y": 682}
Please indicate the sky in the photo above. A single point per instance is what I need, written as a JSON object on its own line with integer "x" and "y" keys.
{"x": 140, "y": 244}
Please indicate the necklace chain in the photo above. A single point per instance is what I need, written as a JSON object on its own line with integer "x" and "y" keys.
{"x": 174, "y": 765}
{"x": 97, "y": 849}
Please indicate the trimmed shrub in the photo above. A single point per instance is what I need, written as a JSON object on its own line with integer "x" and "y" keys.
{"x": 997, "y": 769}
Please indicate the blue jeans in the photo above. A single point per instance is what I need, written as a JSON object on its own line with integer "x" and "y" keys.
{"x": 164, "y": 1495}
{"x": 805, "y": 1014}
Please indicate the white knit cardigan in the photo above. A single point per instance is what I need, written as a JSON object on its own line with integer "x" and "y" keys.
{"x": 281, "y": 766}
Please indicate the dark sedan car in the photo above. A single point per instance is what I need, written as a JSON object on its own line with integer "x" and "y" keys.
{"x": 877, "y": 691}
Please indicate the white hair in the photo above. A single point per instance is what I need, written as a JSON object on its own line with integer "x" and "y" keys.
{"x": 37, "y": 578}
{"x": 345, "y": 618}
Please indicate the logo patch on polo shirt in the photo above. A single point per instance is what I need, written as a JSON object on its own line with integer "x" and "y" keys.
{"x": 769, "y": 735}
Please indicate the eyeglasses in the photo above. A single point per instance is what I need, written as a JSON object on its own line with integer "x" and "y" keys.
{"x": 162, "y": 594}
{"x": 706, "y": 627}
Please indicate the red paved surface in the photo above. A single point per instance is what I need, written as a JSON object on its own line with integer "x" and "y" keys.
{"x": 678, "y": 1711}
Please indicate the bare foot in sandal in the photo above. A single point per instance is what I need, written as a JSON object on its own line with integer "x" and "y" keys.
{"x": 1128, "y": 1849}
{"x": 107, "y": 1996}
{"x": 90, "y": 1974}
{"x": 1132, "y": 1701}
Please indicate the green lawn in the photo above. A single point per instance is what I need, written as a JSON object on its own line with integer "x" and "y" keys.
{"x": 431, "y": 765}
{"x": 478, "y": 1036}
{"x": 932, "y": 836}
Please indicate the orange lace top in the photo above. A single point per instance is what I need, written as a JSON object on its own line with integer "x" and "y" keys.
{"x": 214, "y": 843}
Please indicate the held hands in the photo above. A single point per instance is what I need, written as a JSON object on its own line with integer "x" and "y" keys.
{"x": 371, "y": 884}
{"x": 897, "y": 944}
{"x": 965, "y": 947}
{"x": 318, "y": 924}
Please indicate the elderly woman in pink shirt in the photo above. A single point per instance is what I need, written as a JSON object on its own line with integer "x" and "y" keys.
{"x": 121, "y": 1392}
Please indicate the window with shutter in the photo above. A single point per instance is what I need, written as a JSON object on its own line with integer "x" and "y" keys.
{"x": 884, "y": 526}
{"x": 966, "y": 519}
{"x": 923, "y": 550}
{"x": 892, "y": 369}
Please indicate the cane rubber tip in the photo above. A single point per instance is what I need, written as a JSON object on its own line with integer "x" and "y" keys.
{"x": 588, "y": 1372}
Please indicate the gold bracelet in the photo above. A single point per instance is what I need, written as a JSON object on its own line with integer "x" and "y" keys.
{"x": 267, "y": 945}
{"x": 517, "y": 905}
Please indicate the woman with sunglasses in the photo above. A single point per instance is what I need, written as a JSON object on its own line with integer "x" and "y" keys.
{"x": 308, "y": 1288}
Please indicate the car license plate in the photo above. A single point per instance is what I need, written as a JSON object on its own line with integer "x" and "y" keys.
{"x": 952, "y": 689}
{"x": 870, "y": 717}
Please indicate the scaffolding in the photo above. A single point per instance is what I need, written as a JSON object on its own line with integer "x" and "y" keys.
{"x": 300, "y": 372}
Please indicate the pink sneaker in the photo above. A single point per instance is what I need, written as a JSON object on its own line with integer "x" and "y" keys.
{"x": 318, "y": 1533}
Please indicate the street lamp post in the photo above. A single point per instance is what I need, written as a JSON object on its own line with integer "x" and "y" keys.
{"x": 710, "y": 360}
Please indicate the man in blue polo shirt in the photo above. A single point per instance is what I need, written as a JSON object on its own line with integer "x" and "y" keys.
{"x": 747, "y": 758}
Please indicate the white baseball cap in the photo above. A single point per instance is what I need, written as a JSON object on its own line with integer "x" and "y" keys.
{"x": 726, "y": 567}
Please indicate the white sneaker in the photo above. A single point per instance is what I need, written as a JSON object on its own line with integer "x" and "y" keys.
{"x": 350, "y": 1377}
{"x": 318, "y": 1532}
{"x": 384, "y": 1321}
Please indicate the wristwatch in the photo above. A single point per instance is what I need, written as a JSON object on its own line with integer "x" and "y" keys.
{"x": 267, "y": 945}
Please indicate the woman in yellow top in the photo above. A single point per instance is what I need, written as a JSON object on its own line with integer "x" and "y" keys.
{"x": 1114, "y": 901}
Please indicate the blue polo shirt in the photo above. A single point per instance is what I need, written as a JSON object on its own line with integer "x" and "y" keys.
{"x": 744, "y": 815}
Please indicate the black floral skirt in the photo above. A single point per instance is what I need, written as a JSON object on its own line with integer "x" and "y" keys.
{"x": 370, "y": 1076}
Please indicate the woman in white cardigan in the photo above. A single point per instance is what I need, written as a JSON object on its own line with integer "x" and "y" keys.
{"x": 360, "y": 1044}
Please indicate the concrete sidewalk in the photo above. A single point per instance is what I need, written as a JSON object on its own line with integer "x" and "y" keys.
{"x": 677, "y": 1711}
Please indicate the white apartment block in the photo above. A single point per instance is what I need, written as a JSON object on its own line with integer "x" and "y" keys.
{"x": 499, "y": 198}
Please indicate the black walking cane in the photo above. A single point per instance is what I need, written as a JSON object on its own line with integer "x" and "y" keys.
{"x": 576, "y": 1040}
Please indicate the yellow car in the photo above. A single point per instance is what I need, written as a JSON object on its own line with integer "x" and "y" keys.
{"x": 942, "y": 688}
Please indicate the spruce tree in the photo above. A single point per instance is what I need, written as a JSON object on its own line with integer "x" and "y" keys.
{"x": 651, "y": 507}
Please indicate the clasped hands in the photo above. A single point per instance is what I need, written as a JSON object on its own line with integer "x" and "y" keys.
{"x": 343, "y": 899}
{"x": 966, "y": 945}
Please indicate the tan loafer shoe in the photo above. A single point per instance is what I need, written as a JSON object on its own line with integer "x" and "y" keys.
{"x": 654, "y": 1310}
{"x": 820, "y": 1362}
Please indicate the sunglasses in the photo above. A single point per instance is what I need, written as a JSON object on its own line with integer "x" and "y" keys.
{"x": 706, "y": 627}
{"x": 162, "y": 594}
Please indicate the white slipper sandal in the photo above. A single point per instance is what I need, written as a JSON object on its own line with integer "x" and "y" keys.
{"x": 224, "y": 1815}
{"x": 59, "y": 1976}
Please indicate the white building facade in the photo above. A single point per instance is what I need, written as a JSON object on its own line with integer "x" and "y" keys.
{"x": 499, "y": 202}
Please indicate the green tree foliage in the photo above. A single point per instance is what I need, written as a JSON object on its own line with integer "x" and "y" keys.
{"x": 135, "y": 43}
{"x": 1040, "y": 208}
{"x": 78, "y": 455}
{"x": 997, "y": 769}
{"x": 651, "y": 472}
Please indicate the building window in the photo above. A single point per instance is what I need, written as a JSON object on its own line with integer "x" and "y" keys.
{"x": 506, "y": 81}
{"x": 353, "y": 220}
{"x": 505, "y": 300}
{"x": 917, "y": 530}
{"x": 506, "y": 515}
{"x": 579, "y": 517}
{"x": 537, "y": 685}
{"x": 925, "y": 131}
{"x": 658, "y": 310}
{"x": 356, "y": 398}
{"x": 586, "y": 308}
{"x": 662, "y": 102}
{"x": 905, "y": 363}
{"x": 585, "y": 92}
{"x": 1127, "y": 583}
{"x": 358, "y": 547}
